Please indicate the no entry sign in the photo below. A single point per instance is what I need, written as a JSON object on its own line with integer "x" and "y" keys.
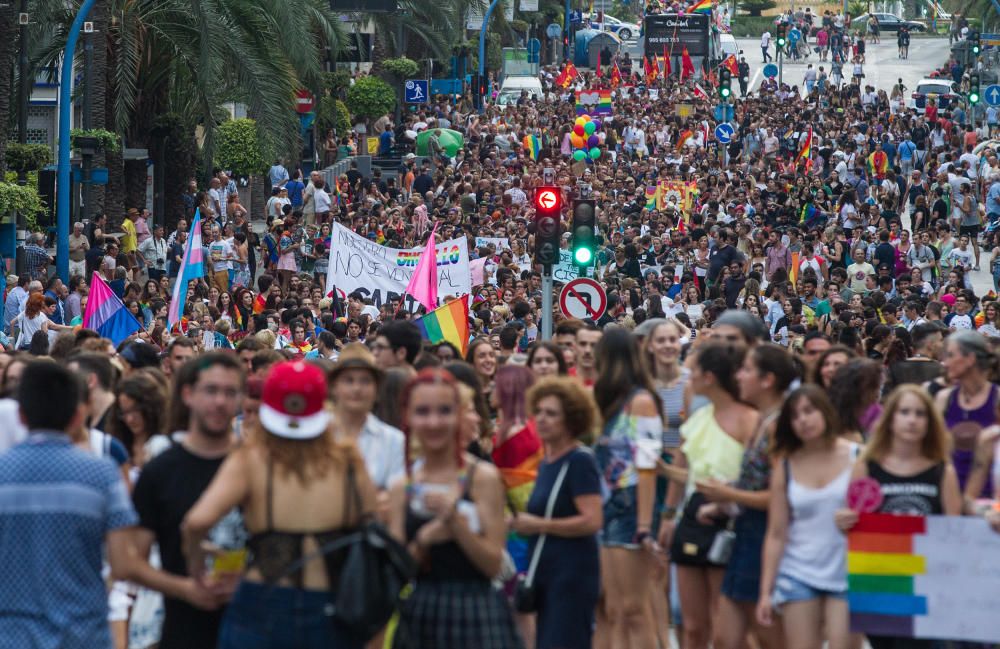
{"x": 583, "y": 298}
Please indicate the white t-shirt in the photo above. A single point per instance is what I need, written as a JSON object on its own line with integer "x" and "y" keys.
{"x": 220, "y": 252}
{"x": 322, "y": 200}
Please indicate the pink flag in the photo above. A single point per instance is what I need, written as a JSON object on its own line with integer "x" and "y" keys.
{"x": 423, "y": 285}
{"x": 477, "y": 268}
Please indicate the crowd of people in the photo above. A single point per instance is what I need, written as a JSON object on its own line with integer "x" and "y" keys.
{"x": 786, "y": 314}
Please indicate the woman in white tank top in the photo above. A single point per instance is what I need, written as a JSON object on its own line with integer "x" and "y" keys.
{"x": 804, "y": 573}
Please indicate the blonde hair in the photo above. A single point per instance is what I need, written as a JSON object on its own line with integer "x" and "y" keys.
{"x": 266, "y": 337}
{"x": 936, "y": 445}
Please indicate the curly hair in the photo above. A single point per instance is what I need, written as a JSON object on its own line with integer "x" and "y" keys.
{"x": 579, "y": 410}
{"x": 150, "y": 397}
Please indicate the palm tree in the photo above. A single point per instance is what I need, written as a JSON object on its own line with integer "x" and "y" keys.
{"x": 431, "y": 28}
{"x": 8, "y": 45}
{"x": 193, "y": 57}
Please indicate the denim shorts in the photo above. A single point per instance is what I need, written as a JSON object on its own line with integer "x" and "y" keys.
{"x": 620, "y": 519}
{"x": 789, "y": 589}
{"x": 275, "y": 617}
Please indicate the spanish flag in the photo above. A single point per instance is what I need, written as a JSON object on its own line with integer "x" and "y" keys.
{"x": 806, "y": 153}
{"x": 448, "y": 323}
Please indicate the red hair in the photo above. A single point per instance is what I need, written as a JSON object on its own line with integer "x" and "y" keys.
{"x": 432, "y": 376}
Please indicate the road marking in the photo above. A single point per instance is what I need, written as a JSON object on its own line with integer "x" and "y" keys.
{"x": 753, "y": 82}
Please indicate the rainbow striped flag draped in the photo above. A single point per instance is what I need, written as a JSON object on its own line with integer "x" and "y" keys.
{"x": 192, "y": 267}
{"x": 806, "y": 152}
{"x": 447, "y": 323}
{"x": 807, "y": 214}
{"x": 700, "y": 7}
{"x": 532, "y": 145}
{"x": 517, "y": 458}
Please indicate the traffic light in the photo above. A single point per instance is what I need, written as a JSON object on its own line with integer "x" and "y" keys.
{"x": 973, "y": 95}
{"x": 782, "y": 33}
{"x": 725, "y": 83}
{"x": 584, "y": 242}
{"x": 548, "y": 214}
{"x": 974, "y": 43}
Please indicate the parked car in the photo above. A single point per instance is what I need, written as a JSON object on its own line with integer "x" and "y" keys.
{"x": 623, "y": 30}
{"x": 940, "y": 90}
{"x": 891, "y": 22}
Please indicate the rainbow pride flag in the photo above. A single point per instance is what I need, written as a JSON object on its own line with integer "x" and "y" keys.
{"x": 700, "y": 7}
{"x": 448, "y": 323}
{"x": 517, "y": 459}
{"x": 532, "y": 145}
{"x": 594, "y": 102}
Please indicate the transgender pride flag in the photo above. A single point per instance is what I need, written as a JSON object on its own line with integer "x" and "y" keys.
{"x": 192, "y": 267}
{"x": 106, "y": 313}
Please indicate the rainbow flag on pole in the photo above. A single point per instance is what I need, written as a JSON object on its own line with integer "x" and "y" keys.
{"x": 448, "y": 323}
{"x": 806, "y": 152}
{"x": 700, "y": 7}
{"x": 192, "y": 267}
{"x": 106, "y": 313}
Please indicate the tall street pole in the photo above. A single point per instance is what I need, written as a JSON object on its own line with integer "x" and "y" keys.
{"x": 87, "y": 121}
{"x": 24, "y": 89}
{"x": 63, "y": 181}
{"x": 482, "y": 51}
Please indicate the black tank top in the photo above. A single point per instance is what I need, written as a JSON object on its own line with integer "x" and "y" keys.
{"x": 446, "y": 561}
{"x": 918, "y": 495}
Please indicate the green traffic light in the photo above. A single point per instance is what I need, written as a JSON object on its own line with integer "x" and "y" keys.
{"x": 973, "y": 98}
{"x": 583, "y": 255}
{"x": 781, "y": 42}
{"x": 725, "y": 92}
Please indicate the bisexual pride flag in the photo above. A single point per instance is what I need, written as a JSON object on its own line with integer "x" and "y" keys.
{"x": 106, "y": 313}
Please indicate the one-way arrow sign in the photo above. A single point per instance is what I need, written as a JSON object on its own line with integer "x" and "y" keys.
{"x": 992, "y": 95}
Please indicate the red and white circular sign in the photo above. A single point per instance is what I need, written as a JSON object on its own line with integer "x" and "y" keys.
{"x": 584, "y": 299}
{"x": 304, "y": 102}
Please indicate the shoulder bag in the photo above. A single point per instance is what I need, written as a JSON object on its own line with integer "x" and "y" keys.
{"x": 525, "y": 594}
{"x": 376, "y": 570}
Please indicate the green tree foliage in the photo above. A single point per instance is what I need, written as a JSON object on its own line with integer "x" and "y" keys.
{"x": 401, "y": 68}
{"x": 106, "y": 139}
{"x": 27, "y": 157}
{"x": 238, "y": 148}
{"x": 755, "y": 7}
{"x": 370, "y": 98}
{"x": 15, "y": 198}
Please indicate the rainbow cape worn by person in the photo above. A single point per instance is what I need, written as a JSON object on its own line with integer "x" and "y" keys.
{"x": 532, "y": 146}
{"x": 517, "y": 458}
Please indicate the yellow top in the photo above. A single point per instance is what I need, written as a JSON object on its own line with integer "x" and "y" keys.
{"x": 710, "y": 451}
{"x": 129, "y": 242}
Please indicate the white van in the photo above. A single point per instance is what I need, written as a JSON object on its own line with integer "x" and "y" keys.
{"x": 512, "y": 86}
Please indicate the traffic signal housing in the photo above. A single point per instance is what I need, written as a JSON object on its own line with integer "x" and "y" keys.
{"x": 975, "y": 43}
{"x": 584, "y": 241}
{"x": 725, "y": 83}
{"x": 973, "y": 95}
{"x": 548, "y": 216}
{"x": 782, "y": 35}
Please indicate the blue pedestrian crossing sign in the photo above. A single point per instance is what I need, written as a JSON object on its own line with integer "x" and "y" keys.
{"x": 992, "y": 95}
{"x": 724, "y": 133}
{"x": 415, "y": 91}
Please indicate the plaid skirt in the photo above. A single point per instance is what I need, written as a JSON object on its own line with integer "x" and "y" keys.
{"x": 456, "y": 615}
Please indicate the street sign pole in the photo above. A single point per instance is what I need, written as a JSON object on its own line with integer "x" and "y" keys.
{"x": 547, "y": 302}
{"x": 781, "y": 66}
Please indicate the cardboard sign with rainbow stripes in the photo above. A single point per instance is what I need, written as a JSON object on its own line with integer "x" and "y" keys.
{"x": 933, "y": 577}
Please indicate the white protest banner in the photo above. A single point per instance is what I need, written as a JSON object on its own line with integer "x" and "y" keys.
{"x": 565, "y": 271}
{"x": 381, "y": 273}
{"x": 501, "y": 243}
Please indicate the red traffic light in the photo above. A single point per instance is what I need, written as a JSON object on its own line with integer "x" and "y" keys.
{"x": 548, "y": 199}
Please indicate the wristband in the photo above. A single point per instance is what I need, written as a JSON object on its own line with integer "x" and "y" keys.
{"x": 668, "y": 512}
{"x": 640, "y": 537}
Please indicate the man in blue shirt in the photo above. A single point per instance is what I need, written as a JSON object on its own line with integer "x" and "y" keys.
{"x": 277, "y": 174}
{"x": 60, "y": 507}
{"x": 993, "y": 201}
{"x": 385, "y": 141}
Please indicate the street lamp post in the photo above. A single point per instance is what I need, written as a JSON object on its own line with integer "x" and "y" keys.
{"x": 482, "y": 48}
{"x": 63, "y": 182}
{"x": 24, "y": 89}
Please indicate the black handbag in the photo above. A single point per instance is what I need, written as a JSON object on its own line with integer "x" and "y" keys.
{"x": 525, "y": 593}
{"x": 376, "y": 570}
